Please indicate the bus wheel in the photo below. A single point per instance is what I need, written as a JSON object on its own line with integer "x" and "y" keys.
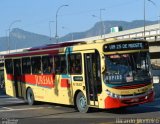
{"x": 30, "y": 97}
{"x": 81, "y": 103}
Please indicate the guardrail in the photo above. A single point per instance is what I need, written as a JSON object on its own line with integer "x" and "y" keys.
{"x": 152, "y": 33}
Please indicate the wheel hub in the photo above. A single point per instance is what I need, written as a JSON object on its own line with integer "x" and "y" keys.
{"x": 82, "y": 101}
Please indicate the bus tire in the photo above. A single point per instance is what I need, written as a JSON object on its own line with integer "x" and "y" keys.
{"x": 30, "y": 97}
{"x": 81, "y": 103}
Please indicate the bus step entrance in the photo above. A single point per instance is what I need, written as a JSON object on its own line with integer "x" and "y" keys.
{"x": 93, "y": 103}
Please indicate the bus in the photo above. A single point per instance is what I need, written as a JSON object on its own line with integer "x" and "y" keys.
{"x": 102, "y": 74}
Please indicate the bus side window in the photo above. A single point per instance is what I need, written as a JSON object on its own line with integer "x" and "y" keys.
{"x": 17, "y": 67}
{"x": 57, "y": 64}
{"x": 26, "y": 65}
{"x": 75, "y": 63}
{"x": 36, "y": 65}
{"x": 60, "y": 64}
{"x": 47, "y": 64}
{"x": 9, "y": 66}
{"x": 63, "y": 68}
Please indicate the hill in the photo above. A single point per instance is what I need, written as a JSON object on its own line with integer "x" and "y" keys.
{"x": 23, "y": 39}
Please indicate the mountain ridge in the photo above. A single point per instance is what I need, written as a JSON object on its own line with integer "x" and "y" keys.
{"x": 23, "y": 39}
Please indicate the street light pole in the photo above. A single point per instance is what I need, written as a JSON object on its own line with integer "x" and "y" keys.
{"x": 56, "y": 35}
{"x": 7, "y": 39}
{"x": 157, "y": 13}
{"x": 102, "y": 23}
{"x": 144, "y": 19}
{"x": 9, "y": 29}
{"x": 50, "y": 30}
{"x": 145, "y": 15}
{"x": 159, "y": 22}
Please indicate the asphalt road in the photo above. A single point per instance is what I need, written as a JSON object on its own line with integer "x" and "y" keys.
{"x": 13, "y": 111}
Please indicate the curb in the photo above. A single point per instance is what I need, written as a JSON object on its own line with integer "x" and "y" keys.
{"x": 4, "y": 96}
{"x": 156, "y": 99}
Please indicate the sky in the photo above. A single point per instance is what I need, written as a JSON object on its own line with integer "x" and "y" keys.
{"x": 36, "y": 15}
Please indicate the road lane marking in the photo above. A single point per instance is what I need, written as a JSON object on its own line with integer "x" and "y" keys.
{"x": 7, "y": 108}
{"x": 7, "y": 97}
{"x": 15, "y": 101}
{"x": 24, "y": 109}
{"x": 56, "y": 106}
{"x": 10, "y": 98}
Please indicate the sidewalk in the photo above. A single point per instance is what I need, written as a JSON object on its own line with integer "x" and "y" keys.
{"x": 157, "y": 99}
{"x": 2, "y": 91}
{"x": 4, "y": 96}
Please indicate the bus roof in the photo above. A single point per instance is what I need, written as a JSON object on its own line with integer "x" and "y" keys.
{"x": 44, "y": 49}
{"x": 56, "y": 45}
{"x": 54, "y": 48}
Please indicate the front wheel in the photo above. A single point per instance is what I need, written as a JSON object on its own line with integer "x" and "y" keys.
{"x": 81, "y": 103}
{"x": 30, "y": 97}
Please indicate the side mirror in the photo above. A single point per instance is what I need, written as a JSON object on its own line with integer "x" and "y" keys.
{"x": 102, "y": 63}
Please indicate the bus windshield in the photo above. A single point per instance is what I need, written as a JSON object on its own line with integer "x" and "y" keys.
{"x": 126, "y": 68}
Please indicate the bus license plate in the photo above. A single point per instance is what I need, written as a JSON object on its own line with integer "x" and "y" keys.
{"x": 135, "y": 100}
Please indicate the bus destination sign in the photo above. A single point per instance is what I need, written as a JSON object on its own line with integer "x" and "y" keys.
{"x": 125, "y": 46}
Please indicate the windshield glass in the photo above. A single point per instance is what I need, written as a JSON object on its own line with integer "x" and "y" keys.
{"x": 125, "y": 68}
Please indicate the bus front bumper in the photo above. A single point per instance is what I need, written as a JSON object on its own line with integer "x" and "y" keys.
{"x": 111, "y": 102}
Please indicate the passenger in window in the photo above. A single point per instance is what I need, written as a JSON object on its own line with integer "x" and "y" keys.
{"x": 38, "y": 70}
{"x": 73, "y": 69}
{"x": 63, "y": 69}
{"x": 48, "y": 70}
{"x": 57, "y": 68}
{"x": 78, "y": 67}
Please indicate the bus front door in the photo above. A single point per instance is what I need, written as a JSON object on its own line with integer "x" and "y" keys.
{"x": 92, "y": 77}
{"x": 17, "y": 78}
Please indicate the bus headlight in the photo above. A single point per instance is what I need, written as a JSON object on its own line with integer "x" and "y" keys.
{"x": 113, "y": 95}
